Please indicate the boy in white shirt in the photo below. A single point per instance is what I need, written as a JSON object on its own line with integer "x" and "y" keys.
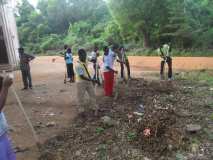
{"x": 108, "y": 59}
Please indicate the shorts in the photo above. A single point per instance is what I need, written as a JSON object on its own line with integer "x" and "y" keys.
{"x": 6, "y": 151}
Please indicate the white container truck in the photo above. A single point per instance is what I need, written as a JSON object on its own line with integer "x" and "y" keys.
{"x": 9, "y": 44}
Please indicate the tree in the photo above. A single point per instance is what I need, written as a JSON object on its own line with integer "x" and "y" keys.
{"x": 147, "y": 23}
{"x": 189, "y": 20}
{"x": 139, "y": 16}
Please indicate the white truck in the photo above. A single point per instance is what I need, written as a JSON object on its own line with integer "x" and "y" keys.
{"x": 9, "y": 43}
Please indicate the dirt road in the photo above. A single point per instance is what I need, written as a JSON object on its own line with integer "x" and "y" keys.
{"x": 51, "y": 105}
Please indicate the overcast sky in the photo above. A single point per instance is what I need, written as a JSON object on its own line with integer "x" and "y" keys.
{"x": 33, "y": 2}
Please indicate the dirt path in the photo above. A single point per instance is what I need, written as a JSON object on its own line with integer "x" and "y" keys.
{"x": 51, "y": 102}
{"x": 179, "y": 63}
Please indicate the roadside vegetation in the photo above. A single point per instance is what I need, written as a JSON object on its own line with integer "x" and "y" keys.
{"x": 141, "y": 26}
{"x": 203, "y": 76}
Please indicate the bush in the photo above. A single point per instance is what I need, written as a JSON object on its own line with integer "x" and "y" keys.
{"x": 51, "y": 42}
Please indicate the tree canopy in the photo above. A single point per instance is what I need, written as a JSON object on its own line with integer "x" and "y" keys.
{"x": 145, "y": 23}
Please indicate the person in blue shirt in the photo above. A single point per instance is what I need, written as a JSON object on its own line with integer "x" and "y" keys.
{"x": 69, "y": 63}
{"x": 6, "y": 151}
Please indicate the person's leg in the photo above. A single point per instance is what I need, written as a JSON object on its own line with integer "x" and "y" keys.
{"x": 6, "y": 151}
{"x": 29, "y": 78}
{"x": 162, "y": 69}
{"x": 97, "y": 74}
{"x": 111, "y": 83}
{"x": 92, "y": 96}
{"x": 122, "y": 70}
{"x": 80, "y": 96}
{"x": 24, "y": 78}
{"x": 169, "y": 62}
{"x": 95, "y": 71}
{"x": 128, "y": 69}
{"x": 72, "y": 73}
{"x": 106, "y": 83}
{"x": 69, "y": 71}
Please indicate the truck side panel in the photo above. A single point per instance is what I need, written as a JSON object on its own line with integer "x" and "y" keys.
{"x": 10, "y": 37}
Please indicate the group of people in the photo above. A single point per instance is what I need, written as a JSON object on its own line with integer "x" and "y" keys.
{"x": 109, "y": 58}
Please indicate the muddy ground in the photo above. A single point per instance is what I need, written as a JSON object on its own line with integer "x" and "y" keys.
{"x": 51, "y": 106}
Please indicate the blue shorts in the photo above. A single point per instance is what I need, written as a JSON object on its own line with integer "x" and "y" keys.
{"x": 6, "y": 151}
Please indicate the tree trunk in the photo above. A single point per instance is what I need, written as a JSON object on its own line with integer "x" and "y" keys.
{"x": 146, "y": 39}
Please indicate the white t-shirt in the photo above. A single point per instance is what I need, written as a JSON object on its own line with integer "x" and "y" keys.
{"x": 93, "y": 55}
{"x": 109, "y": 61}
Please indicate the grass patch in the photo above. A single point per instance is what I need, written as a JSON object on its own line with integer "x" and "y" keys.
{"x": 211, "y": 116}
{"x": 202, "y": 76}
{"x": 131, "y": 136}
{"x": 177, "y": 53}
{"x": 99, "y": 130}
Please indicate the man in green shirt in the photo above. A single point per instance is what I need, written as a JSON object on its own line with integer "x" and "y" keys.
{"x": 165, "y": 53}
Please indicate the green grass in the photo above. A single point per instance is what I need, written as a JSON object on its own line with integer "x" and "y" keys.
{"x": 202, "y": 76}
{"x": 176, "y": 53}
{"x": 146, "y": 52}
{"x": 131, "y": 136}
{"x": 99, "y": 130}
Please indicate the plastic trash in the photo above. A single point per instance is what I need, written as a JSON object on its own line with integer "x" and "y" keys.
{"x": 140, "y": 110}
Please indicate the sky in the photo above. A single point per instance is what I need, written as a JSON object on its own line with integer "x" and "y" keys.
{"x": 33, "y": 2}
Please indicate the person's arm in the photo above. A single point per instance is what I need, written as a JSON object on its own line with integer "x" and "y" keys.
{"x": 80, "y": 71}
{"x": 126, "y": 58}
{"x": 29, "y": 57}
{"x": 162, "y": 53}
{"x": 170, "y": 50}
{"x": 7, "y": 82}
{"x": 107, "y": 67}
{"x": 85, "y": 78}
{"x": 66, "y": 57}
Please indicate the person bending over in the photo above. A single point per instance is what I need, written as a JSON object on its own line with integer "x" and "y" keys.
{"x": 165, "y": 53}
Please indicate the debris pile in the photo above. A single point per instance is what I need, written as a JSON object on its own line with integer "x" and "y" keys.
{"x": 138, "y": 124}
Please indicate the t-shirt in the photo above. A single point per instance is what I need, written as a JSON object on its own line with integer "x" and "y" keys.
{"x": 109, "y": 60}
{"x": 3, "y": 124}
{"x": 94, "y": 57}
{"x": 24, "y": 61}
{"x": 165, "y": 50}
{"x": 68, "y": 58}
{"x": 122, "y": 56}
{"x": 81, "y": 71}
